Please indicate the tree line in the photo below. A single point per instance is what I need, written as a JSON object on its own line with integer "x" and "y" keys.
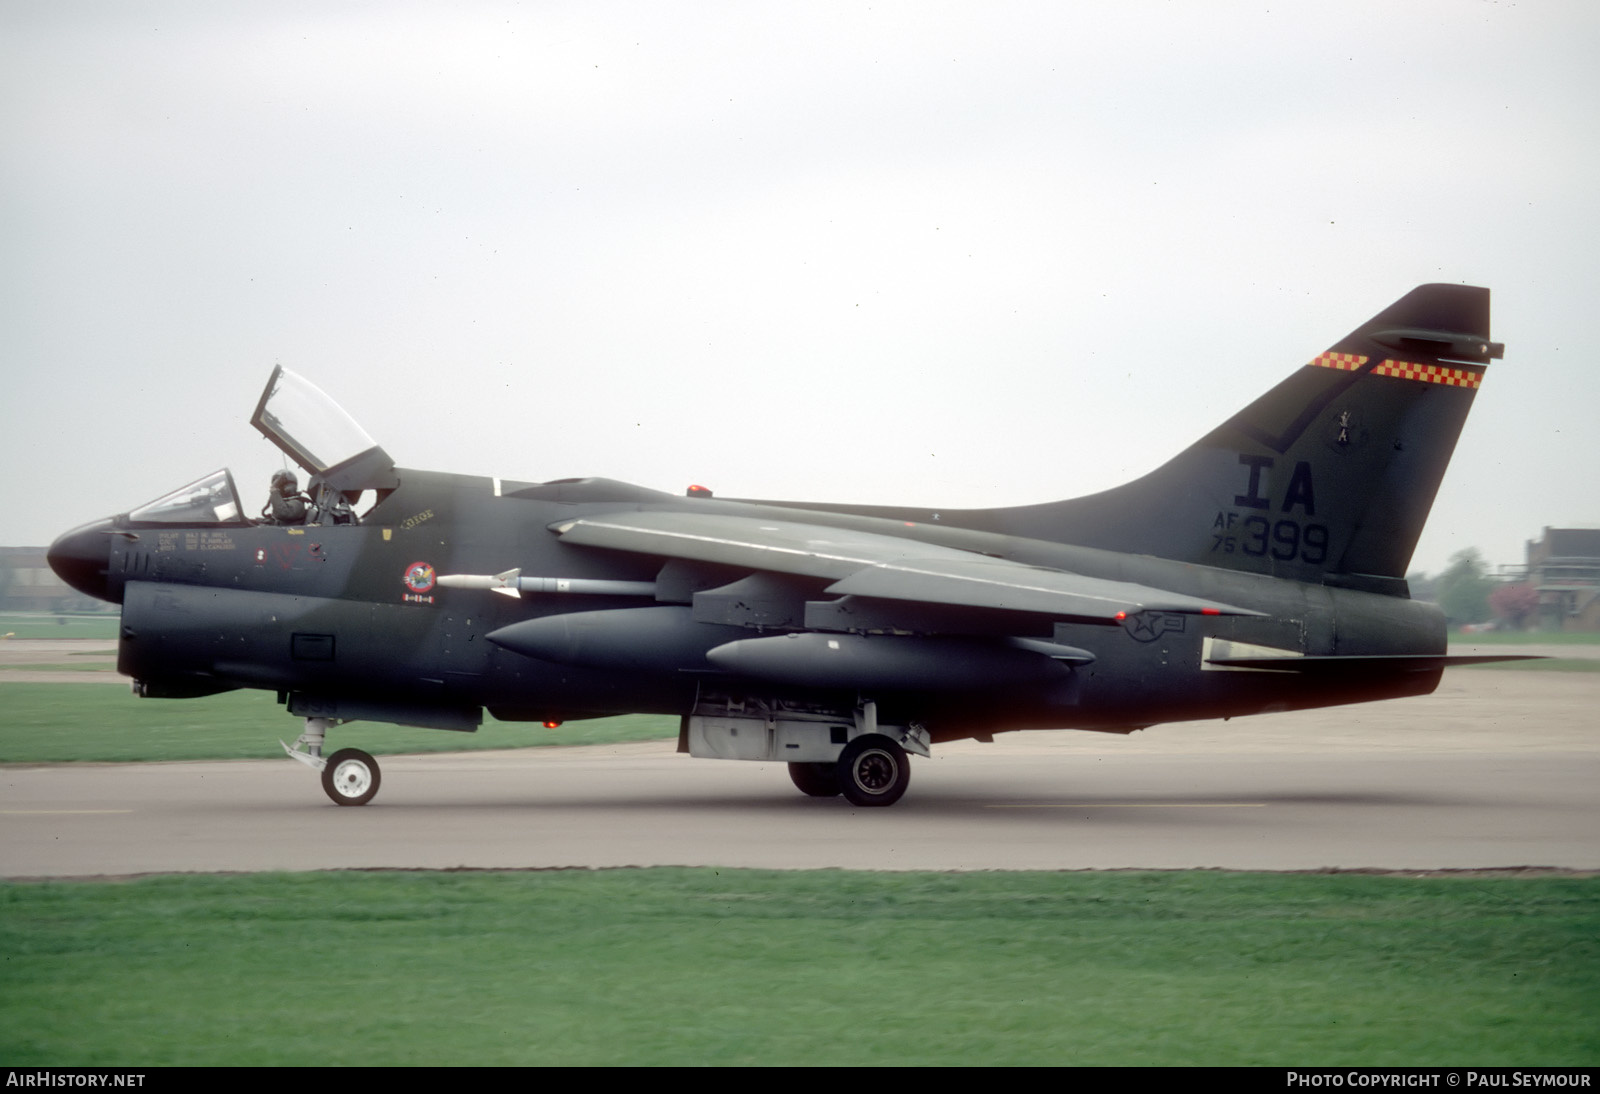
{"x": 1467, "y": 594}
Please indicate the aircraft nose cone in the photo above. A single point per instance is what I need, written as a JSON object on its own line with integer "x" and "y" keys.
{"x": 82, "y": 558}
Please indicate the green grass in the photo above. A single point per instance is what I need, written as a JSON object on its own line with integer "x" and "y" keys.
{"x": 1527, "y": 638}
{"x": 677, "y": 966}
{"x": 59, "y": 723}
{"x": 44, "y": 625}
{"x": 76, "y": 666}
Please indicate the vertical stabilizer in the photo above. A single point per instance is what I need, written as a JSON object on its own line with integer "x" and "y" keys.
{"x": 1327, "y": 477}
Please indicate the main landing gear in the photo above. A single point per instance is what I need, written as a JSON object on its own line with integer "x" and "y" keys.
{"x": 872, "y": 770}
{"x": 349, "y": 777}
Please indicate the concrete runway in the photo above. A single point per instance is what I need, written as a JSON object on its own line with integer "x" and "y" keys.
{"x": 1497, "y": 769}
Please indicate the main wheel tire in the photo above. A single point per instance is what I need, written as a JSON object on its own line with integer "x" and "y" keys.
{"x": 816, "y": 780}
{"x": 351, "y": 777}
{"x": 873, "y": 770}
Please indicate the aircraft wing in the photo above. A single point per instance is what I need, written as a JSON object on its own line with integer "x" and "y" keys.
{"x": 869, "y": 564}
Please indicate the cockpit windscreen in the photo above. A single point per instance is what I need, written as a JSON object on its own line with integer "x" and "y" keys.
{"x": 211, "y": 500}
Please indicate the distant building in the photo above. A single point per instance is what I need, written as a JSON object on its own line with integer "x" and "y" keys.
{"x": 1565, "y": 567}
{"x": 27, "y": 584}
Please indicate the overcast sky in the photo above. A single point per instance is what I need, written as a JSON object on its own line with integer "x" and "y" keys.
{"x": 925, "y": 253}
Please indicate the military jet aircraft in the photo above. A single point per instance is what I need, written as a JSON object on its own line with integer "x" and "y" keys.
{"x": 1260, "y": 569}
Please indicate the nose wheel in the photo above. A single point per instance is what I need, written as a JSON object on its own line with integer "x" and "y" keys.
{"x": 351, "y": 777}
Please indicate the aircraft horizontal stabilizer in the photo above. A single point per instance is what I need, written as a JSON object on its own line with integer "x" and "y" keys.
{"x": 1364, "y": 662}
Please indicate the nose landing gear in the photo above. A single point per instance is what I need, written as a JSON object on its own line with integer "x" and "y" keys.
{"x": 349, "y": 777}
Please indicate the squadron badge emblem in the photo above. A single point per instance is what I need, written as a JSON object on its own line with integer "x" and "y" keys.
{"x": 419, "y": 577}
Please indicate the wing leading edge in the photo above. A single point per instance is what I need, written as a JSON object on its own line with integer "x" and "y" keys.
{"x": 869, "y": 564}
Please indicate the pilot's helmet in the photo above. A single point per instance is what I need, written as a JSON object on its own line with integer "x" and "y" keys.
{"x": 284, "y": 482}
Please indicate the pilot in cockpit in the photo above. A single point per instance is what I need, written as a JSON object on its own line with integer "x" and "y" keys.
{"x": 285, "y": 504}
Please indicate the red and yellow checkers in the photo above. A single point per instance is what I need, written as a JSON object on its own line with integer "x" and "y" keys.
{"x": 1347, "y": 362}
{"x": 1401, "y": 370}
{"x": 1432, "y": 374}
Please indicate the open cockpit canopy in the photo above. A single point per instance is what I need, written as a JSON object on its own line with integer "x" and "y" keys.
{"x": 316, "y": 433}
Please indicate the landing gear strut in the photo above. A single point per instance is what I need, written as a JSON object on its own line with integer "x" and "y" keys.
{"x": 349, "y": 777}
